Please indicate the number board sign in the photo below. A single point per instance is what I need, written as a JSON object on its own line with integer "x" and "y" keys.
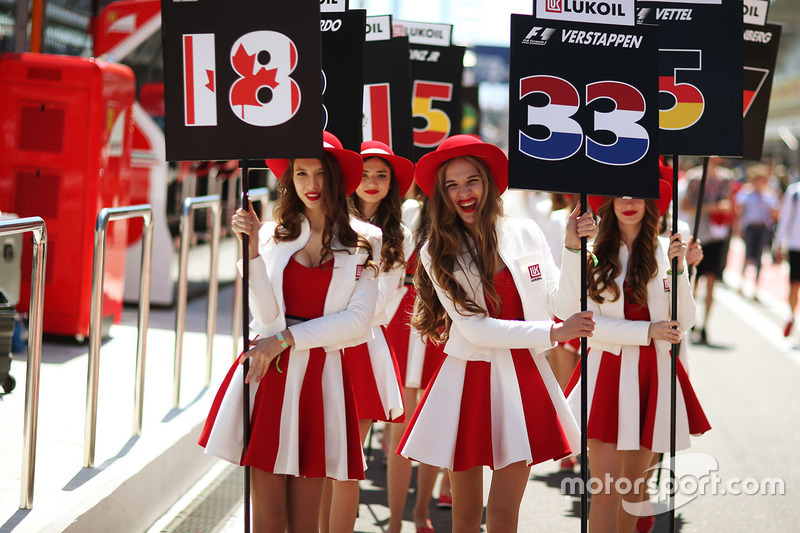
{"x": 583, "y": 108}
{"x": 436, "y": 71}
{"x": 436, "y": 94}
{"x": 342, "y": 74}
{"x": 387, "y": 95}
{"x": 242, "y": 79}
{"x": 700, "y": 76}
{"x": 760, "y": 53}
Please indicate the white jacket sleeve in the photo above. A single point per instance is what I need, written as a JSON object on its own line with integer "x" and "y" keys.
{"x": 569, "y": 285}
{"x": 687, "y": 309}
{"x": 618, "y": 331}
{"x": 263, "y": 305}
{"x": 352, "y": 323}
{"x": 389, "y": 284}
{"x": 493, "y": 332}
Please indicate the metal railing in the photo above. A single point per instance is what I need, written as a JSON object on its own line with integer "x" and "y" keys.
{"x": 260, "y": 194}
{"x": 105, "y": 216}
{"x": 189, "y": 206}
{"x": 39, "y": 229}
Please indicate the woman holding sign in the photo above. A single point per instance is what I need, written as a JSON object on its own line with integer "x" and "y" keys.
{"x": 629, "y": 354}
{"x": 371, "y": 365}
{"x": 313, "y": 288}
{"x": 487, "y": 286}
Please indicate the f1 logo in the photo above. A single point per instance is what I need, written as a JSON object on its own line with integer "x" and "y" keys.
{"x": 538, "y": 35}
{"x": 535, "y": 272}
{"x": 553, "y": 6}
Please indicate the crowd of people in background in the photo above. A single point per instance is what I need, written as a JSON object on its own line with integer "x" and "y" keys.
{"x": 756, "y": 203}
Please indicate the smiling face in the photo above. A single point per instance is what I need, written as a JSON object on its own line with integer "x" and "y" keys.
{"x": 465, "y": 189}
{"x": 375, "y": 183}
{"x": 309, "y": 181}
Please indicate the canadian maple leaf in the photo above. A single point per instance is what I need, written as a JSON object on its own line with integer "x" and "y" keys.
{"x": 245, "y": 90}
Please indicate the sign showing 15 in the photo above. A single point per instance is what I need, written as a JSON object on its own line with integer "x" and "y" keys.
{"x": 377, "y": 123}
{"x": 565, "y": 135}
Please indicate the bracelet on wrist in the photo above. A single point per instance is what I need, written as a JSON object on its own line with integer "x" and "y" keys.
{"x": 574, "y": 251}
{"x": 281, "y": 340}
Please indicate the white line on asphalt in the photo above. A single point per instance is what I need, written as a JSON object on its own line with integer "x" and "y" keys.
{"x": 762, "y": 323}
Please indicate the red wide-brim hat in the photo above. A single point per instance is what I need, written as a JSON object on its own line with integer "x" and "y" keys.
{"x": 403, "y": 168}
{"x": 459, "y": 146}
{"x": 664, "y": 191}
{"x": 350, "y": 162}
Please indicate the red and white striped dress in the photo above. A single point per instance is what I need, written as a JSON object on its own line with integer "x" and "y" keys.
{"x": 417, "y": 360}
{"x": 375, "y": 379}
{"x": 642, "y": 378}
{"x": 304, "y": 420}
{"x": 491, "y": 413}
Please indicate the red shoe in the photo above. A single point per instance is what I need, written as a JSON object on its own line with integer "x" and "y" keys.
{"x": 645, "y": 524}
{"x": 427, "y": 528}
{"x": 788, "y": 329}
{"x": 568, "y": 464}
{"x": 445, "y": 501}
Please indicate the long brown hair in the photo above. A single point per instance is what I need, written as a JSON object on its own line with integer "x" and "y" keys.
{"x": 389, "y": 218}
{"x": 642, "y": 264}
{"x": 448, "y": 239}
{"x": 289, "y": 209}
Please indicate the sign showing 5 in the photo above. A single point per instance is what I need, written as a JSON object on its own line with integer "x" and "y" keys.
{"x": 565, "y": 134}
{"x": 689, "y": 101}
{"x": 437, "y": 122}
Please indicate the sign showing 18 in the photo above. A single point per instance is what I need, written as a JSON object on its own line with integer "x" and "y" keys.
{"x": 565, "y": 134}
{"x": 264, "y": 94}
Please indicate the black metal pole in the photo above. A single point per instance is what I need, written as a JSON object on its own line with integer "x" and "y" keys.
{"x": 675, "y": 350}
{"x": 243, "y": 164}
{"x": 699, "y": 209}
{"x": 584, "y": 389}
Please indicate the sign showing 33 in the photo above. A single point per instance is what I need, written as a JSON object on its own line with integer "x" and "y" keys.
{"x": 565, "y": 134}
{"x": 583, "y": 108}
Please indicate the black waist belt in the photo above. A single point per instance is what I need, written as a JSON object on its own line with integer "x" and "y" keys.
{"x": 291, "y": 320}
